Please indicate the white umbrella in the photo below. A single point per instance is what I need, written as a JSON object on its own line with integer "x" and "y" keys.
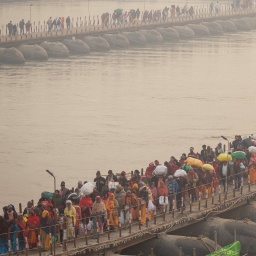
{"x": 252, "y": 149}
{"x": 87, "y": 188}
{"x": 180, "y": 173}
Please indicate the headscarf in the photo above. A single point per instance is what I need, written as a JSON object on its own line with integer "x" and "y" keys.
{"x": 135, "y": 186}
{"x": 111, "y": 202}
{"x": 45, "y": 213}
{"x": 98, "y": 207}
{"x": 119, "y": 187}
{"x": 69, "y": 204}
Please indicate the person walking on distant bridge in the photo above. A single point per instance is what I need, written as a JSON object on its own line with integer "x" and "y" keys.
{"x": 211, "y": 7}
{"x": 191, "y": 11}
{"x": 217, "y": 8}
{"x": 138, "y": 14}
{"x": 178, "y": 10}
{"x": 9, "y": 26}
{"x": 49, "y": 23}
{"x": 21, "y": 26}
{"x": 14, "y": 29}
{"x": 28, "y": 27}
{"x": 68, "y": 22}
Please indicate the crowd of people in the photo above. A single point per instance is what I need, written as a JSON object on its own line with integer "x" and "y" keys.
{"x": 120, "y": 199}
{"x": 121, "y": 17}
{"x": 117, "y": 17}
{"x": 21, "y": 28}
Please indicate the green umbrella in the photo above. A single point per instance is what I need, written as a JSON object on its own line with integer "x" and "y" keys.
{"x": 231, "y": 249}
{"x": 185, "y": 167}
{"x": 239, "y": 154}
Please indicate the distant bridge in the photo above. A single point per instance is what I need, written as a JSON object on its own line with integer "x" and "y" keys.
{"x": 41, "y": 34}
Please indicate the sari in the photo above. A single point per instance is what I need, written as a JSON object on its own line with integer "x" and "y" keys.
{"x": 86, "y": 208}
{"x": 98, "y": 214}
{"x": 70, "y": 214}
{"x": 32, "y": 229}
{"x": 45, "y": 229}
{"x": 252, "y": 173}
{"x": 136, "y": 204}
{"x": 143, "y": 197}
{"x": 130, "y": 202}
{"x": 112, "y": 210}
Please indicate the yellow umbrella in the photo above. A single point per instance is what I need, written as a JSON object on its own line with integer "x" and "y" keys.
{"x": 194, "y": 162}
{"x": 208, "y": 167}
{"x": 223, "y": 157}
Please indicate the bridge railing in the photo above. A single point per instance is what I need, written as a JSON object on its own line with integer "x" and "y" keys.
{"x": 208, "y": 196}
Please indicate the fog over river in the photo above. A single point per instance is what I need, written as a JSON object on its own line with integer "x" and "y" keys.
{"x": 118, "y": 110}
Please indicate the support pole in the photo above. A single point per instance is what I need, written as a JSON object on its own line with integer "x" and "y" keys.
{"x": 199, "y": 201}
{"x": 74, "y": 234}
{"x": 39, "y": 245}
{"x": 182, "y": 205}
{"x": 235, "y": 235}
{"x": 206, "y": 198}
{"x": 219, "y": 195}
{"x": 85, "y": 234}
{"x": 130, "y": 221}
{"x": 213, "y": 195}
{"x": 139, "y": 219}
{"x": 50, "y": 236}
{"x": 155, "y": 215}
{"x": 249, "y": 182}
{"x": 190, "y": 203}
{"x": 98, "y": 231}
{"x": 234, "y": 191}
{"x": 173, "y": 208}
{"x": 120, "y": 225}
{"x": 65, "y": 235}
{"x": 215, "y": 240}
{"x": 108, "y": 227}
{"x": 146, "y": 217}
{"x": 242, "y": 184}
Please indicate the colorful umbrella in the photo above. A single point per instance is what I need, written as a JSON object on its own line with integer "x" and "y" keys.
{"x": 207, "y": 167}
{"x": 252, "y": 149}
{"x": 194, "y": 162}
{"x": 180, "y": 173}
{"x": 239, "y": 154}
{"x": 185, "y": 167}
{"x": 223, "y": 157}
